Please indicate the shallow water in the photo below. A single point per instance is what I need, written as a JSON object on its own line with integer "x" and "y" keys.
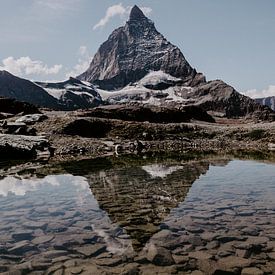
{"x": 211, "y": 215}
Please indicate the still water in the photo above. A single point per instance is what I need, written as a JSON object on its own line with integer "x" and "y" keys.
{"x": 207, "y": 216}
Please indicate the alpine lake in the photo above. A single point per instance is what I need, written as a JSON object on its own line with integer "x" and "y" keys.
{"x": 150, "y": 214}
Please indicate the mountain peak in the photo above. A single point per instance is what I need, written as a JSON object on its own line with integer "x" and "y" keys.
{"x": 136, "y": 14}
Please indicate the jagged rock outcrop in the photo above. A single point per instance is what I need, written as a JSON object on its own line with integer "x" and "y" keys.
{"x": 24, "y": 90}
{"x": 267, "y": 101}
{"x": 133, "y": 51}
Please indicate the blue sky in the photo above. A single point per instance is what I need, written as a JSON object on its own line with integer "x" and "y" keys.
{"x": 230, "y": 40}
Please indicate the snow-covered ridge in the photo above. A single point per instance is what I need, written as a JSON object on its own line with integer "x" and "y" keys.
{"x": 73, "y": 93}
{"x": 143, "y": 91}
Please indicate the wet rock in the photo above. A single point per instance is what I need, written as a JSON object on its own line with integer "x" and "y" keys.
{"x": 42, "y": 239}
{"x": 272, "y": 256}
{"x": 91, "y": 250}
{"x": 12, "y": 272}
{"x": 159, "y": 256}
{"x": 200, "y": 255}
{"x": 231, "y": 262}
{"x": 21, "y": 248}
{"x": 252, "y": 271}
{"x": 243, "y": 253}
{"x": 212, "y": 245}
{"x": 111, "y": 262}
{"x": 35, "y": 225}
{"x": 51, "y": 254}
{"x": 73, "y": 270}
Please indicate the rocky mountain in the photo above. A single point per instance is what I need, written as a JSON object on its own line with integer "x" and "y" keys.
{"x": 267, "y": 101}
{"x": 137, "y": 64}
{"x": 25, "y": 90}
{"x": 72, "y": 94}
{"x": 132, "y": 51}
{"x": 68, "y": 95}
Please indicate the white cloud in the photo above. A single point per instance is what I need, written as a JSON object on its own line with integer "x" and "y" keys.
{"x": 84, "y": 61}
{"x": 118, "y": 10}
{"x": 253, "y": 93}
{"x": 26, "y": 66}
{"x": 56, "y": 5}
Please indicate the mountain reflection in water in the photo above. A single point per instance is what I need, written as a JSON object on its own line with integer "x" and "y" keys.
{"x": 108, "y": 213}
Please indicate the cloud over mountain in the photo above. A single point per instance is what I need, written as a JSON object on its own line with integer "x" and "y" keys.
{"x": 118, "y": 10}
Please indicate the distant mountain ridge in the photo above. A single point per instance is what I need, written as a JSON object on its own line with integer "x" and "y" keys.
{"x": 24, "y": 90}
{"x": 68, "y": 95}
{"x": 267, "y": 101}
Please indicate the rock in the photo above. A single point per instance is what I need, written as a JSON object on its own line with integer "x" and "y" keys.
{"x": 159, "y": 256}
{"x": 252, "y": 271}
{"x": 19, "y": 146}
{"x": 73, "y": 270}
{"x": 196, "y": 272}
{"x": 91, "y": 250}
{"x": 21, "y": 248}
{"x": 32, "y": 118}
{"x": 231, "y": 262}
{"x": 35, "y": 225}
{"x": 22, "y": 235}
{"x": 272, "y": 256}
{"x": 243, "y": 253}
{"x": 200, "y": 255}
{"x": 212, "y": 245}
{"x": 42, "y": 239}
{"x": 51, "y": 254}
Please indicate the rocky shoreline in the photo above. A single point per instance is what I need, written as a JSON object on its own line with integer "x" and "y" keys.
{"x": 74, "y": 134}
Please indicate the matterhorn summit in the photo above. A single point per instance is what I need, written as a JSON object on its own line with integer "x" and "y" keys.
{"x": 134, "y": 50}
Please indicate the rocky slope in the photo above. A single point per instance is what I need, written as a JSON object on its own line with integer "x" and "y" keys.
{"x": 267, "y": 101}
{"x": 133, "y": 51}
{"x": 73, "y": 94}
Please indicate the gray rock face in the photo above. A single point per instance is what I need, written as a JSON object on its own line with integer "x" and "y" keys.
{"x": 132, "y": 51}
{"x": 268, "y": 101}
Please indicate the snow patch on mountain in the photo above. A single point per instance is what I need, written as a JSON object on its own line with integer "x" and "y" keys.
{"x": 159, "y": 170}
{"x": 143, "y": 91}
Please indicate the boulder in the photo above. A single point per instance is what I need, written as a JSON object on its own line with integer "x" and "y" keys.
{"x": 22, "y": 147}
